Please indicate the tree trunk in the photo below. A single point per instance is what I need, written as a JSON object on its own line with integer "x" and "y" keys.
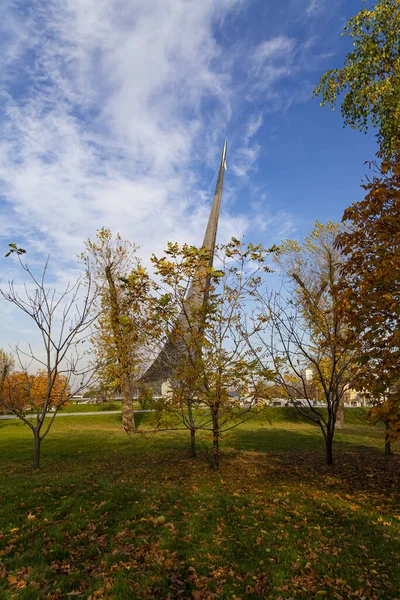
{"x": 388, "y": 448}
{"x": 329, "y": 447}
{"x": 36, "y": 454}
{"x": 193, "y": 442}
{"x": 128, "y": 415}
{"x": 340, "y": 415}
{"x": 216, "y": 434}
{"x": 192, "y": 429}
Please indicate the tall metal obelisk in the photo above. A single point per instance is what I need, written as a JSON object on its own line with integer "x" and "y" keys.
{"x": 162, "y": 368}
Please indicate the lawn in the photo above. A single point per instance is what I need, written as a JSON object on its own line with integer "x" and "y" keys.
{"x": 124, "y": 518}
{"x": 73, "y": 407}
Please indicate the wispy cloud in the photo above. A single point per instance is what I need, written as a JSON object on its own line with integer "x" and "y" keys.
{"x": 253, "y": 126}
{"x": 273, "y": 59}
{"x": 245, "y": 159}
{"x": 114, "y": 100}
{"x": 107, "y": 109}
{"x": 314, "y": 6}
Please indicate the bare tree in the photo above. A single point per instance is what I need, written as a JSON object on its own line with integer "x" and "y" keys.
{"x": 307, "y": 372}
{"x": 308, "y": 341}
{"x": 63, "y": 320}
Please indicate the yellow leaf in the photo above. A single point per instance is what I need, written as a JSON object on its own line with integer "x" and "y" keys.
{"x": 159, "y": 520}
{"x": 21, "y": 584}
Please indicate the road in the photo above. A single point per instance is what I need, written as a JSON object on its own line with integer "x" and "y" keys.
{"x": 78, "y": 414}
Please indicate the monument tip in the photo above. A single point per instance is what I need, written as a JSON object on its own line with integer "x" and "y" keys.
{"x": 223, "y": 159}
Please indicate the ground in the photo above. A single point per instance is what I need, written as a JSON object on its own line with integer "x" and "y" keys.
{"x": 113, "y": 517}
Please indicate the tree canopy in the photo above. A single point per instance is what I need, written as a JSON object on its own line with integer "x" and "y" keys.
{"x": 308, "y": 342}
{"x": 370, "y": 77}
{"x": 123, "y": 287}
{"x": 23, "y": 392}
{"x": 372, "y": 277}
{"x": 214, "y": 368}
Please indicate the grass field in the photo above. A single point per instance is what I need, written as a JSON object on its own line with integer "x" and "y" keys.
{"x": 113, "y": 517}
{"x": 73, "y": 407}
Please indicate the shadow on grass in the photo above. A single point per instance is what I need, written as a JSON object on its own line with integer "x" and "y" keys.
{"x": 273, "y": 503}
{"x": 249, "y": 529}
{"x": 277, "y": 438}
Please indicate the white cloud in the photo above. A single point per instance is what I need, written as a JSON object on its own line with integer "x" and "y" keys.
{"x": 106, "y": 136}
{"x": 253, "y": 126}
{"x": 273, "y": 48}
{"x": 245, "y": 156}
{"x": 313, "y": 8}
{"x": 107, "y": 105}
{"x": 273, "y": 59}
{"x": 245, "y": 159}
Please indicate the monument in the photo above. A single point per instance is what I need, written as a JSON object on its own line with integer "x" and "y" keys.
{"x": 162, "y": 368}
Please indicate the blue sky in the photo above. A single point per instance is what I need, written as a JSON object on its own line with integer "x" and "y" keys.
{"x": 113, "y": 113}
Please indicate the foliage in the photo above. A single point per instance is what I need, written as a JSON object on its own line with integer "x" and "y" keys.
{"x": 372, "y": 278}
{"x": 388, "y": 412}
{"x": 123, "y": 287}
{"x": 313, "y": 271}
{"x": 13, "y": 249}
{"x": 371, "y": 275}
{"x": 210, "y": 323}
{"x": 6, "y": 365}
{"x": 23, "y": 392}
{"x": 370, "y": 78}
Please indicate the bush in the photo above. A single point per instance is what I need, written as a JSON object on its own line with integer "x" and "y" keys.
{"x": 109, "y": 406}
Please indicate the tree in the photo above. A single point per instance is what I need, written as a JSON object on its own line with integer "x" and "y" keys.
{"x": 123, "y": 287}
{"x": 181, "y": 314}
{"x": 386, "y": 410}
{"x": 6, "y": 365}
{"x": 308, "y": 341}
{"x": 370, "y": 78}
{"x": 24, "y": 393}
{"x": 371, "y": 276}
{"x": 214, "y": 369}
{"x": 63, "y": 321}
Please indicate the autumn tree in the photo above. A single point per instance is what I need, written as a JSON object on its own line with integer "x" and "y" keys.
{"x": 181, "y": 313}
{"x": 63, "y": 320}
{"x": 386, "y": 409}
{"x": 122, "y": 286}
{"x": 6, "y": 365}
{"x": 369, "y": 82}
{"x": 308, "y": 342}
{"x": 24, "y": 393}
{"x": 371, "y": 274}
{"x": 214, "y": 370}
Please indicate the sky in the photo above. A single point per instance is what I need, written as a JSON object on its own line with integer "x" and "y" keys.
{"x": 113, "y": 113}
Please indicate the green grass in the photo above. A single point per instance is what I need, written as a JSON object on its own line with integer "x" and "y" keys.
{"x": 77, "y": 407}
{"x": 73, "y": 407}
{"x": 115, "y": 517}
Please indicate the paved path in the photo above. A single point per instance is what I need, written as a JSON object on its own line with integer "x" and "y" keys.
{"x": 110, "y": 412}
{"x": 78, "y": 414}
